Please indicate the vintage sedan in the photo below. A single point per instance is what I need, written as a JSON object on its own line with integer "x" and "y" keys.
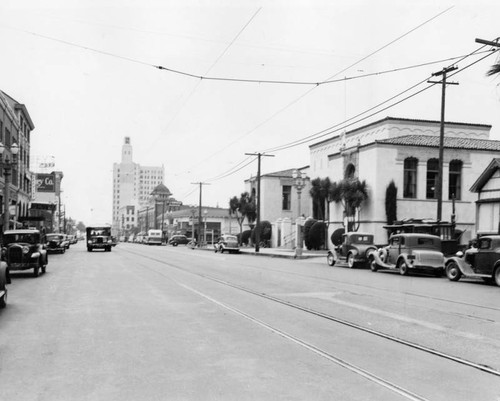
{"x": 227, "y": 243}
{"x": 482, "y": 261}
{"x": 24, "y": 250}
{"x": 354, "y": 250}
{"x": 178, "y": 240}
{"x": 56, "y": 243}
{"x": 410, "y": 252}
{"x": 4, "y": 280}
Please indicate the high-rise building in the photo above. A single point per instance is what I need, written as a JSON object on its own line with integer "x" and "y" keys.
{"x": 132, "y": 187}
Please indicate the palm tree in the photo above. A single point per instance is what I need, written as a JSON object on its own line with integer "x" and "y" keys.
{"x": 350, "y": 193}
{"x": 320, "y": 188}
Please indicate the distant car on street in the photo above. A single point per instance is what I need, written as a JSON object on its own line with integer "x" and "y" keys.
{"x": 24, "y": 250}
{"x": 482, "y": 261}
{"x": 354, "y": 249}
{"x": 227, "y": 243}
{"x": 410, "y": 252}
{"x": 178, "y": 240}
{"x": 99, "y": 238}
{"x": 56, "y": 243}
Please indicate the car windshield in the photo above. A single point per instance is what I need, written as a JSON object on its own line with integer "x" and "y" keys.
{"x": 26, "y": 238}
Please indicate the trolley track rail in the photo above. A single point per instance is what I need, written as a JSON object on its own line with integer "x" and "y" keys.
{"x": 410, "y": 344}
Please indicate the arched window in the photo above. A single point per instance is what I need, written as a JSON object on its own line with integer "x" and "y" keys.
{"x": 349, "y": 171}
{"x": 455, "y": 180}
{"x": 432, "y": 178}
{"x": 410, "y": 178}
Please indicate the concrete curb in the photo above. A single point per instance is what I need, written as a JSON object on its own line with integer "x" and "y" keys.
{"x": 271, "y": 255}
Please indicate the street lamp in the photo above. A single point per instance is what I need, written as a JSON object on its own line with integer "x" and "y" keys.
{"x": 299, "y": 182}
{"x": 7, "y": 166}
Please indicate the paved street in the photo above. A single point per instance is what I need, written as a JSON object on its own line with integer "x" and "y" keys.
{"x": 165, "y": 323}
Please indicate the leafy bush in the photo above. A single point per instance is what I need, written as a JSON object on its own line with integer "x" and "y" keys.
{"x": 307, "y": 227}
{"x": 245, "y": 237}
{"x": 317, "y": 235}
{"x": 336, "y": 236}
{"x": 265, "y": 231}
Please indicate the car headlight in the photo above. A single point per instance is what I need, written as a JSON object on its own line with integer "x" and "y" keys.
{"x": 26, "y": 249}
{"x": 89, "y": 242}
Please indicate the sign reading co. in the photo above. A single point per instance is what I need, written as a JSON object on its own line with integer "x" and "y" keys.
{"x": 46, "y": 183}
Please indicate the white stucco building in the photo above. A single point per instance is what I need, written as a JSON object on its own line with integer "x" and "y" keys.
{"x": 407, "y": 151}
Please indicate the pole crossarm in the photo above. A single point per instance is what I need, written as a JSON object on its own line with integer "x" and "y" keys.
{"x": 496, "y": 43}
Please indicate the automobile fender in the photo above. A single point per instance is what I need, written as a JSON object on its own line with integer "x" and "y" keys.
{"x": 461, "y": 263}
{"x": 4, "y": 272}
{"x": 35, "y": 255}
{"x": 378, "y": 258}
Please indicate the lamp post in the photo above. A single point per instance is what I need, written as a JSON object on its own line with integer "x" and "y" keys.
{"x": 299, "y": 182}
{"x": 205, "y": 212}
{"x": 7, "y": 165}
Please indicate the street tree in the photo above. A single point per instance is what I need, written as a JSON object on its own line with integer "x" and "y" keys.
{"x": 320, "y": 188}
{"x": 350, "y": 193}
{"x": 242, "y": 207}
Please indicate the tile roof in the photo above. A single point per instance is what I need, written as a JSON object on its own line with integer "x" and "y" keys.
{"x": 454, "y": 143}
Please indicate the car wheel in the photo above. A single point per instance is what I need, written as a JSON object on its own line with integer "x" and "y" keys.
{"x": 174, "y": 243}
{"x": 215, "y": 249}
{"x": 63, "y": 250}
{"x": 330, "y": 259}
{"x": 497, "y": 276}
{"x": 403, "y": 268}
{"x": 36, "y": 271}
{"x": 350, "y": 260}
{"x": 42, "y": 268}
{"x": 373, "y": 266}
{"x": 453, "y": 272}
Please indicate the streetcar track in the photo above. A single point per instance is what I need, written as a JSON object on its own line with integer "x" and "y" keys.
{"x": 341, "y": 362}
{"x": 461, "y": 361}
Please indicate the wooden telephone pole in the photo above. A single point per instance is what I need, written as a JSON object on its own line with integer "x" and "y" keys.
{"x": 257, "y": 225}
{"x": 439, "y": 187}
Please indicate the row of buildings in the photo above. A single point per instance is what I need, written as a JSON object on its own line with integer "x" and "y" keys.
{"x": 31, "y": 197}
{"x": 405, "y": 151}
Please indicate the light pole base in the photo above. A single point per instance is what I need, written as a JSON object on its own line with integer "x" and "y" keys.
{"x": 298, "y": 252}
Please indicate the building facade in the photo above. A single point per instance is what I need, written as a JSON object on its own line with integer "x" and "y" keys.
{"x": 132, "y": 186}
{"x": 407, "y": 152}
{"x": 15, "y": 128}
{"x": 279, "y": 195}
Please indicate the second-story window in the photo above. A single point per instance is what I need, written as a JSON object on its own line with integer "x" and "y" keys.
{"x": 432, "y": 178}
{"x": 287, "y": 194}
{"x": 410, "y": 178}
{"x": 455, "y": 179}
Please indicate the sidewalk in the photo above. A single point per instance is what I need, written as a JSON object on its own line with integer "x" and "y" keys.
{"x": 278, "y": 252}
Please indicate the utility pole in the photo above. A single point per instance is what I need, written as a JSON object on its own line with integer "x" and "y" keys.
{"x": 257, "y": 226}
{"x": 199, "y": 210}
{"x": 439, "y": 187}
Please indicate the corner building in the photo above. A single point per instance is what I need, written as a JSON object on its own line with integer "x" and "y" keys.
{"x": 407, "y": 151}
{"x": 132, "y": 186}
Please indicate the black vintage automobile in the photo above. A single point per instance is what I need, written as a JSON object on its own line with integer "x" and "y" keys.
{"x": 24, "y": 250}
{"x": 482, "y": 261}
{"x": 99, "y": 237}
{"x": 56, "y": 243}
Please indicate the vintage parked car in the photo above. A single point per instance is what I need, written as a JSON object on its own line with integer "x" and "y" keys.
{"x": 56, "y": 243}
{"x": 178, "y": 240}
{"x": 24, "y": 250}
{"x": 354, "y": 249}
{"x": 410, "y": 252}
{"x": 227, "y": 243}
{"x": 4, "y": 280}
{"x": 481, "y": 262}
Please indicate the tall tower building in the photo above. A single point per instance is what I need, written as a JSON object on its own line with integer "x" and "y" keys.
{"x": 132, "y": 187}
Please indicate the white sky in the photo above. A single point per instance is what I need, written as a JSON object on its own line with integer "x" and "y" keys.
{"x": 83, "y": 103}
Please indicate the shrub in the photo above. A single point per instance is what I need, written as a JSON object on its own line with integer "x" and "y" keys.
{"x": 265, "y": 231}
{"x": 317, "y": 235}
{"x": 307, "y": 227}
{"x": 336, "y": 236}
{"x": 245, "y": 237}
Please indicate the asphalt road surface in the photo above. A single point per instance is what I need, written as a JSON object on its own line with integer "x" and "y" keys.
{"x": 164, "y": 323}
